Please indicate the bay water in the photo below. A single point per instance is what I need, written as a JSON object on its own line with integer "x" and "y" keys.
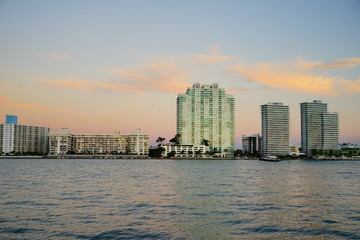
{"x": 178, "y": 199}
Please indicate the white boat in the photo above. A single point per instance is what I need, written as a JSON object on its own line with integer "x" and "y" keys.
{"x": 270, "y": 158}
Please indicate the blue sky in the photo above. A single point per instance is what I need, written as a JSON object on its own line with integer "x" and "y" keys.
{"x": 97, "y": 66}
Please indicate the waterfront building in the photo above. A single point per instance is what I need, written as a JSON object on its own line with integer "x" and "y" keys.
{"x": 275, "y": 129}
{"x": 60, "y": 142}
{"x": 206, "y": 112}
{"x": 180, "y": 150}
{"x": 138, "y": 143}
{"x": 319, "y": 129}
{"x": 330, "y": 131}
{"x": 251, "y": 144}
{"x": 64, "y": 142}
{"x": 22, "y": 139}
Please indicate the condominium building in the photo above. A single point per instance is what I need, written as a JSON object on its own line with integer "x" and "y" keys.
{"x": 275, "y": 129}
{"x": 64, "y": 142}
{"x": 251, "y": 144}
{"x": 319, "y": 129}
{"x": 206, "y": 112}
{"x": 60, "y": 142}
{"x": 20, "y": 139}
{"x": 330, "y": 131}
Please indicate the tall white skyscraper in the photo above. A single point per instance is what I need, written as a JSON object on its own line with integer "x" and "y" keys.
{"x": 275, "y": 129}
{"x": 206, "y": 112}
{"x": 319, "y": 129}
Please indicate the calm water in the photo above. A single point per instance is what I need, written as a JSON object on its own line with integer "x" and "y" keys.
{"x": 179, "y": 199}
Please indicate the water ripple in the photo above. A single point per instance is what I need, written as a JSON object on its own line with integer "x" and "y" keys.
{"x": 151, "y": 199}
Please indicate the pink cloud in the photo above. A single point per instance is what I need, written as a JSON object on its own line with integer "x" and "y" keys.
{"x": 86, "y": 85}
{"x": 165, "y": 78}
{"x": 284, "y": 78}
{"x": 299, "y": 75}
{"x": 340, "y": 63}
{"x": 10, "y": 103}
{"x": 336, "y": 64}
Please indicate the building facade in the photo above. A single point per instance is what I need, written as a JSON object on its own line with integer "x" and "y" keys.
{"x": 319, "y": 129}
{"x": 251, "y": 144}
{"x": 330, "y": 131}
{"x": 185, "y": 150}
{"x": 22, "y": 139}
{"x": 206, "y": 112}
{"x": 275, "y": 129}
{"x": 64, "y": 142}
{"x": 60, "y": 142}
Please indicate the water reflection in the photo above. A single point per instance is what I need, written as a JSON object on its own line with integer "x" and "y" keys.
{"x": 181, "y": 199}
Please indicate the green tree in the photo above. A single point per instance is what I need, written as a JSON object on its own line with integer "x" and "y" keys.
{"x": 350, "y": 153}
{"x": 326, "y": 152}
{"x": 257, "y": 154}
{"x": 205, "y": 142}
{"x": 315, "y": 152}
{"x": 160, "y": 140}
{"x": 171, "y": 154}
{"x": 238, "y": 153}
{"x": 175, "y": 139}
{"x": 71, "y": 152}
{"x": 156, "y": 152}
{"x": 214, "y": 152}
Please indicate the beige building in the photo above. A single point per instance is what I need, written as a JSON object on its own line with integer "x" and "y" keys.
{"x": 64, "y": 142}
{"x": 60, "y": 142}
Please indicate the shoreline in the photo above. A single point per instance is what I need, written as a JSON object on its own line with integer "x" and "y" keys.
{"x": 142, "y": 157}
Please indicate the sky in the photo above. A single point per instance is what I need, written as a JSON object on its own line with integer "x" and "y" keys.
{"x": 101, "y": 66}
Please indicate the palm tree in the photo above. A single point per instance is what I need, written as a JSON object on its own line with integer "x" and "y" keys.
{"x": 160, "y": 140}
{"x": 205, "y": 142}
{"x": 176, "y": 139}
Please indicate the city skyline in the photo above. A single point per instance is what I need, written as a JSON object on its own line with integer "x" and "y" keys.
{"x": 96, "y": 67}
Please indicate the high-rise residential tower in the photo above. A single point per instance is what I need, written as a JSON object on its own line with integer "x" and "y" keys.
{"x": 275, "y": 129}
{"x": 206, "y": 112}
{"x": 21, "y": 139}
{"x": 319, "y": 129}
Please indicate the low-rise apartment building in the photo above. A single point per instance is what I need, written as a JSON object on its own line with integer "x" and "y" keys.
{"x": 64, "y": 142}
{"x": 180, "y": 150}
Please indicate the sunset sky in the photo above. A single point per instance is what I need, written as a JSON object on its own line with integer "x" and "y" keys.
{"x": 100, "y": 66}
